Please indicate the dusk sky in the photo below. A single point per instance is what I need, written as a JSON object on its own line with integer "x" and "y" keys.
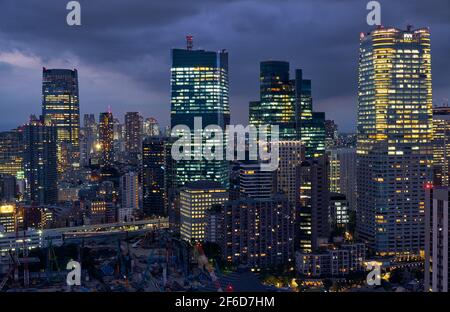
{"x": 122, "y": 49}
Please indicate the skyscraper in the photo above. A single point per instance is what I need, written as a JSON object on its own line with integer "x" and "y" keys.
{"x": 287, "y": 103}
{"x": 40, "y": 163}
{"x": 106, "y": 138}
{"x": 11, "y": 148}
{"x": 153, "y": 170}
{"x": 133, "y": 136}
{"x": 441, "y": 145}
{"x": 342, "y": 173}
{"x": 60, "y": 107}
{"x": 312, "y": 213}
{"x": 291, "y": 155}
{"x": 311, "y": 124}
{"x": 199, "y": 88}
{"x": 277, "y": 105}
{"x": 394, "y": 152}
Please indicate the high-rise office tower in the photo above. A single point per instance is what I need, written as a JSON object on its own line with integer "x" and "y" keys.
{"x": 40, "y": 163}
{"x": 288, "y": 103}
{"x": 11, "y": 148}
{"x": 277, "y": 105}
{"x": 441, "y": 145}
{"x": 394, "y": 152}
{"x": 311, "y": 124}
{"x": 437, "y": 239}
{"x": 195, "y": 199}
{"x": 312, "y": 214}
{"x": 153, "y": 170}
{"x": 133, "y": 136}
{"x": 199, "y": 88}
{"x": 106, "y": 138}
{"x": 258, "y": 233}
{"x": 61, "y": 108}
{"x": 291, "y": 155}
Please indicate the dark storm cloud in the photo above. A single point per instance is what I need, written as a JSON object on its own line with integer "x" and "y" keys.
{"x": 123, "y": 47}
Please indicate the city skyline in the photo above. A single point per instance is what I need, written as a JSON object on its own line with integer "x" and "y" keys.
{"x": 140, "y": 77}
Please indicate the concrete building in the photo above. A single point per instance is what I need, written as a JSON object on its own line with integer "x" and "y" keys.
{"x": 258, "y": 233}
{"x": 332, "y": 262}
{"x": 312, "y": 214}
{"x": 437, "y": 239}
{"x": 195, "y": 199}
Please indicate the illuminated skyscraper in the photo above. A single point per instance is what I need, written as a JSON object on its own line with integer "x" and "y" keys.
{"x": 153, "y": 169}
{"x": 106, "y": 137}
{"x": 312, "y": 213}
{"x": 133, "y": 136}
{"x": 40, "y": 163}
{"x": 441, "y": 145}
{"x": 11, "y": 148}
{"x": 61, "y": 108}
{"x": 291, "y": 155}
{"x": 288, "y": 103}
{"x": 199, "y": 85}
{"x": 394, "y": 153}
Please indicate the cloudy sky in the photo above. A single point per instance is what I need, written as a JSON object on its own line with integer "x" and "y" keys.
{"x": 122, "y": 49}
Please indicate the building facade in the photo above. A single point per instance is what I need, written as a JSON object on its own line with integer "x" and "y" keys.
{"x": 195, "y": 199}
{"x": 441, "y": 145}
{"x": 40, "y": 163}
{"x": 437, "y": 239}
{"x": 61, "y": 108}
{"x": 199, "y": 91}
{"x": 106, "y": 138}
{"x": 153, "y": 172}
{"x": 258, "y": 233}
{"x": 394, "y": 154}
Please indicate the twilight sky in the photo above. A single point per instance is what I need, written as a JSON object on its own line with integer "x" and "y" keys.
{"x": 122, "y": 49}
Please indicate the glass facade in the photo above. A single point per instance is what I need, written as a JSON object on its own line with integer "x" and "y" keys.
{"x": 40, "y": 163}
{"x": 61, "y": 108}
{"x": 199, "y": 88}
{"x": 288, "y": 103}
{"x": 441, "y": 145}
{"x": 394, "y": 152}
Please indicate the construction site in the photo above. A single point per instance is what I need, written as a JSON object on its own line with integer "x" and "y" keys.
{"x": 122, "y": 262}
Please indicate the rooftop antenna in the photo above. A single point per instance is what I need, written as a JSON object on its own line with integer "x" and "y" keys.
{"x": 189, "y": 42}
